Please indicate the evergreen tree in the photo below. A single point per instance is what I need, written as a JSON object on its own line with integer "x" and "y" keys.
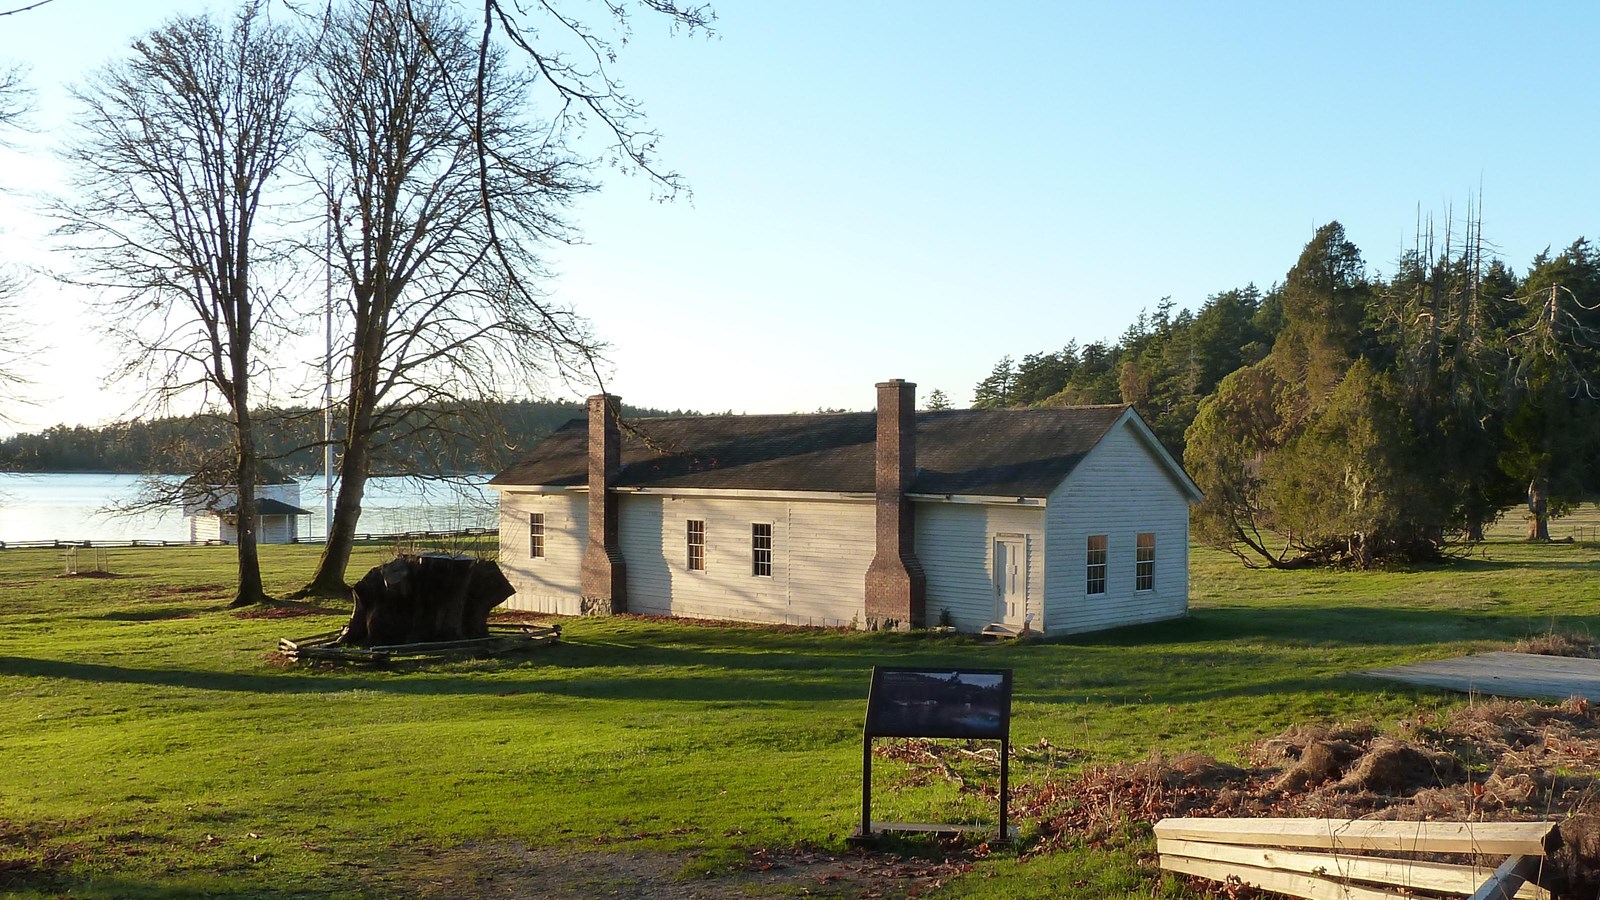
{"x": 1553, "y": 425}
{"x": 995, "y": 391}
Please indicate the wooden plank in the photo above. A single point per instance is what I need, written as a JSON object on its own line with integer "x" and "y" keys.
{"x": 1292, "y": 883}
{"x": 1509, "y": 879}
{"x": 1435, "y": 876}
{"x": 1498, "y": 838}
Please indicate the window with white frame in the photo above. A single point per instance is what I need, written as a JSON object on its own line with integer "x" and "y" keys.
{"x": 761, "y": 549}
{"x": 1144, "y": 562}
{"x": 697, "y": 545}
{"x": 1095, "y": 559}
{"x": 536, "y": 535}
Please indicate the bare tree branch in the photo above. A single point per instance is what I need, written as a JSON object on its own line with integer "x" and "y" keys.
{"x": 23, "y": 9}
{"x": 441, "y": 312}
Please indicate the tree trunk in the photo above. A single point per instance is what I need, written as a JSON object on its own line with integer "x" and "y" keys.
{"x": 1539, "y": 506}
{"x": 354, "y": 468}
{"x": 251, "y": 590}
{"x": 328, "y": 580}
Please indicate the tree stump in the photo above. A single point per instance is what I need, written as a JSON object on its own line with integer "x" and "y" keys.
{"x": 422, "y": 599}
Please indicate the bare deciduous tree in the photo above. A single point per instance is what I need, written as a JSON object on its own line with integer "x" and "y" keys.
{"x": 441, "y": 312}
{"x": 14, "y": 98}
{"x": 179, "y": 145}
{"x": 574, "y": 56}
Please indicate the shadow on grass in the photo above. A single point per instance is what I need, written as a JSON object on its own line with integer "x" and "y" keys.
{"x": 1216, "y": 653}
{"x": 153, "y": 614}
{"x": 1334, "y": 626}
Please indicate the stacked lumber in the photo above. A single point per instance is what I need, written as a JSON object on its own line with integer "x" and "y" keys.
{"x": 1339, "y": 859}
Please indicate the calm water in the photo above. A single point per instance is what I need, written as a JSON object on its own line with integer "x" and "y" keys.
{"x": 73, "y": 506}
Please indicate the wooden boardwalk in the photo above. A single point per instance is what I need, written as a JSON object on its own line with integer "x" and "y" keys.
{"x": 1505, "y": 675}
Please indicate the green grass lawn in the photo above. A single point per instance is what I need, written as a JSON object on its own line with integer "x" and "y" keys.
{"x": 150, "y": 745}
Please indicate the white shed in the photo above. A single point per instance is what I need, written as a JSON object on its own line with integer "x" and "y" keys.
{"x": 212, "y": 510}
{"x": 1058, "y": 520}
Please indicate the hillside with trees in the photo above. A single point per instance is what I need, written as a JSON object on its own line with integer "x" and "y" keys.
{"x": 291, "y": 441}
{"x": 1344, "y": 417}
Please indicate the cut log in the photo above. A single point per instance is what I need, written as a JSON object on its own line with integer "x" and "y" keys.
{"x": 425, "y": 599}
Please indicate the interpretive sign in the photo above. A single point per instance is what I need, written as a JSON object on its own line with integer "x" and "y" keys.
{"x": 939, "y": 703}
{"x": 935, "y": 703}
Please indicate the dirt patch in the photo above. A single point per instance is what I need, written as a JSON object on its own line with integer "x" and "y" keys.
{"x": 497, "y": 869}
{"x": 90, "y": 575}
{"x": 28, "y": 859}
{"x": 1498, "y": 760}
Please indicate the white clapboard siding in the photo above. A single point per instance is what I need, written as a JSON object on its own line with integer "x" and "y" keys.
{"x": 821, "y": 550}
{"x": 549, "y": 584}
{"x": 205, "y": 527}
{"x": 1119, "y": 490}
{"x": 276, "y": 529}
{"x": 955, "y": 542}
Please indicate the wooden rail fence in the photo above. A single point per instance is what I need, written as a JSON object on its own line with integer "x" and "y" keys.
{"x": 363, "y": 538}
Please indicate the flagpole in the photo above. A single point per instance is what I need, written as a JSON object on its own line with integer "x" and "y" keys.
{"x": 327, "y": 370}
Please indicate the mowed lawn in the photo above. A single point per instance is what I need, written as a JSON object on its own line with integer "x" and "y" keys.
{"x": 151, "y": 745}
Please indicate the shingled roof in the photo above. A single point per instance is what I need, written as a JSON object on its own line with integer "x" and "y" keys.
{"x": 991, "y": 452}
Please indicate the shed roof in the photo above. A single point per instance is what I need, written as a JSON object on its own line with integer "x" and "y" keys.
{"x": 990, "y": 452}
{"x": 267, "y": 506}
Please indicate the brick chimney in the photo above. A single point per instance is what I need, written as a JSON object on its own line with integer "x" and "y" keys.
{"x": 896, "y": 586}
{"x": 603, "y": 582}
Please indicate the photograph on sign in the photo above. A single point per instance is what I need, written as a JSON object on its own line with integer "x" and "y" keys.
{"x": 940, "y": 704}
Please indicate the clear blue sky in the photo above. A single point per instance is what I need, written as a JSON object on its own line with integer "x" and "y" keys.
{"x": 914, "y": 189}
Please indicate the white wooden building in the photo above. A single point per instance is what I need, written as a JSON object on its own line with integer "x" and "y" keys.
{"x": 1063, "y": 520}
{"x": 212, "y": 511}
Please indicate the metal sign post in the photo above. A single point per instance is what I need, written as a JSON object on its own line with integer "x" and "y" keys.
{"x": 936, "y": 703}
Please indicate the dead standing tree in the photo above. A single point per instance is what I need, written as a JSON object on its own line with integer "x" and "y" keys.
{"x": 439, "y": 313}
{"x": 179, "y": 144}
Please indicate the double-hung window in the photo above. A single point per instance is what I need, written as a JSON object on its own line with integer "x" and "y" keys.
{"x": 536, "y": 535}
{"x": 1144, "y": 562}
{"x": 697, "y": 545}
{"x": 1095, "y": 559}
{"x": 761, "y": 549}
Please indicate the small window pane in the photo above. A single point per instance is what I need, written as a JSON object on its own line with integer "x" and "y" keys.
{"x": 1096, "y": 564}
{"x": 761, "y": 550}
{"x": 536, "y": 535}
{"x": 1144, "y": 566}
{"x": 697, "y": 545}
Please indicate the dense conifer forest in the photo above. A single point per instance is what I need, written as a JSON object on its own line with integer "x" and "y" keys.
{"x": 1341, "y": 416}
{"x": 291, "y": 441}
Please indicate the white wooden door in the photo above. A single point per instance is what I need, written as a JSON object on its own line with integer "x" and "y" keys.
{"x": 1010, "y": 579}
